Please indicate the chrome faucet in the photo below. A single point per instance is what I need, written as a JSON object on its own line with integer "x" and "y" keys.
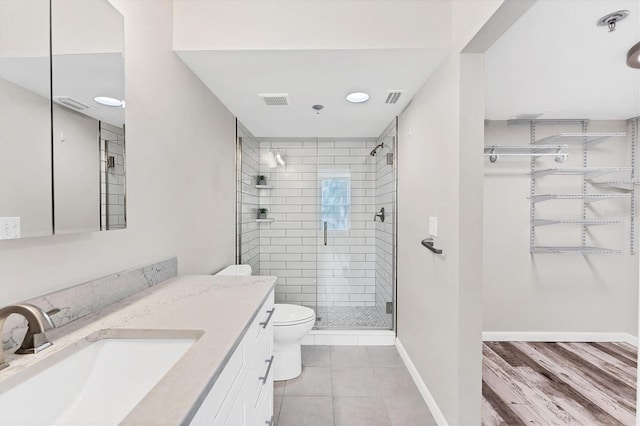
{"x": 39, "y": 321}
{"x": 380, "y": 214}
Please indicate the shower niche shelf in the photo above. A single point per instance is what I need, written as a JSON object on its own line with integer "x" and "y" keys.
{"x": 265, "y": 220}
{"x": 264, "y": 186}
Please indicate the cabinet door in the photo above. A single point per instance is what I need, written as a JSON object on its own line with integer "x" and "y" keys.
{"x": 236, "y": 416}
{"x": 265, "y": 408}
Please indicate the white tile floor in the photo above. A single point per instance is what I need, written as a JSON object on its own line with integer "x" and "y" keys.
{"x": 350, "y": 385}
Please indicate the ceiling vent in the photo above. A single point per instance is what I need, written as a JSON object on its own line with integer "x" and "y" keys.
{"x": 393, "y": 96}
{"x": 70, "y": 103}
{"x": 275, "y": 99}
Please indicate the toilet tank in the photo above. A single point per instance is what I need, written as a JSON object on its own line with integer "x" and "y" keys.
{"x": 236, "y": 270}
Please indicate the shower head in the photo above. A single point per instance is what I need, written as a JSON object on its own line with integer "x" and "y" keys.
{"x": 374, "y": 151}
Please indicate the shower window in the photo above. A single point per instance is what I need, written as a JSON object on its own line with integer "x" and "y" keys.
{"x": 336, "y": 203}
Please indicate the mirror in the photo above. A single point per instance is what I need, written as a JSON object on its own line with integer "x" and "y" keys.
{"x": 25, "y": 120}
{"x": 87, "y": 61}
{"x": 62, "y": 154}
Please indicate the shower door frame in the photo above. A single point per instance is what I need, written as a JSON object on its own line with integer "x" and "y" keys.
{"x": 390, "y": 131}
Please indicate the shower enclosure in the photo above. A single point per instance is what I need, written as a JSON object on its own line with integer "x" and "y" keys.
{"x": 329, "y": 233}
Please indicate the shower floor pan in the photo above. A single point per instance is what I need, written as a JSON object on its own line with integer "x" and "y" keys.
{"x": 350, "y": 317}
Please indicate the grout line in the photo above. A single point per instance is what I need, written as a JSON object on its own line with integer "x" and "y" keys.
{"x": 333, "y": 401}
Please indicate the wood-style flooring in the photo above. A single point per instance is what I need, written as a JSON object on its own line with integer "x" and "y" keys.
{"x": 538, "y": 383}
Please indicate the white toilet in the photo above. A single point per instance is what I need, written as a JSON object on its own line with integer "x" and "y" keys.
{"x": 290, "y": 324}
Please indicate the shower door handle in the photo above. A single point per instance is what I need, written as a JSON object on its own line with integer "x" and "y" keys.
{"x": 325, "y": 233}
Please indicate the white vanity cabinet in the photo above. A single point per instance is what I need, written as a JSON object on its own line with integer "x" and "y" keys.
{"x": 243, "y": 393}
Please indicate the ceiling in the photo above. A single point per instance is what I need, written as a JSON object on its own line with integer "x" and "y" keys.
{"x": 78, "y": 76}
{"x": 311, "y": 77}
{"x": 556, "y": 61}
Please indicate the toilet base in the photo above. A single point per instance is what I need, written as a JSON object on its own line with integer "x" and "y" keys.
{"x": 287, "y": 361}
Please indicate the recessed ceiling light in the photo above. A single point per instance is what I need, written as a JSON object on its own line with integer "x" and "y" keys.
{"x": 357, "y": 97}
{"x": 112, "y": 102}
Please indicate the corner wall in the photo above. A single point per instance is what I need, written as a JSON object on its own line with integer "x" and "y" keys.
{"x": 556, "y": 293}
{"x": 440, "y": 174}
{"x": 249, "y": 204}
{"x": 180, "y": 176}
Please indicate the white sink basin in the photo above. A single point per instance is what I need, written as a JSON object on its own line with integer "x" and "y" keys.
{"x": 98, "y": 384}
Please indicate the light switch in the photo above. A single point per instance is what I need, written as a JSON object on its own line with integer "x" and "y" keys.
{"x": 433, "y": 226}
{"x": 9, "y": 228}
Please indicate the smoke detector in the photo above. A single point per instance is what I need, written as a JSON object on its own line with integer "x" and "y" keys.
{"x": 275, "y": 99}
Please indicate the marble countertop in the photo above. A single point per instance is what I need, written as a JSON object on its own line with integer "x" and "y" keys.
{"x": 218, "y": 309}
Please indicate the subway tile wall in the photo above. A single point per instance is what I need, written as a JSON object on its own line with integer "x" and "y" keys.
{"x": 112, "y": 179}
{"x": 292, "y": 247}
{"x": 385, "y": 184}
{"x": 249, "y": 200}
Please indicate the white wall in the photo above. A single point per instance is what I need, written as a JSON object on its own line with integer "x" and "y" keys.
{"x": 180, "y": 168}
{"x": 554, "y": 292}
{"x": 344, "y": 24}
{"x": 27, "y": 37}
{"x": 25, "y": 159}
{"x": 440, "y": 174}
{"x": 76, "y": 172}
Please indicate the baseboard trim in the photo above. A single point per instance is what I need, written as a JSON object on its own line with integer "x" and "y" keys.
{"x": 422, "y": 387}
{"x": 543, "y": 336}
{"x": 350, "y": 337}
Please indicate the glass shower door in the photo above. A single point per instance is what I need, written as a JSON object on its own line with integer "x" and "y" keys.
{"x": 346, "y": 254}
{"x": 334, "y": 267}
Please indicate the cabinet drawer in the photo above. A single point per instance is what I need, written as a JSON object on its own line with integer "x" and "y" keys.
{"x": 221, "y": 389}
{"x": 264, "y": 318}
{"x": 238, "y": 395}
{"x": 263, "y": 414}
{"x": 260, "y": 370}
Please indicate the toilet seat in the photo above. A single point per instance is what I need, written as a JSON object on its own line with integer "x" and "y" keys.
{"x": 288, "y": 315}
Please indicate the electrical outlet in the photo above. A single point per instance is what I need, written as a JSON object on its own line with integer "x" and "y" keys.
{"x": 9, "y": 228}
{"x": 433, "y": 226}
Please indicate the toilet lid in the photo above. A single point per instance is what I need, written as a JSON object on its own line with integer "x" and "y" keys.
{"x": 292, "y": 314}
{"x": 236, "y": 270}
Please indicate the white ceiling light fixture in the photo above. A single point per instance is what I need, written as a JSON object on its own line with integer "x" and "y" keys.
{"x": 633, "y": 56}
{"x": 357, "y": 97}
{"x": 112, "y": 102}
